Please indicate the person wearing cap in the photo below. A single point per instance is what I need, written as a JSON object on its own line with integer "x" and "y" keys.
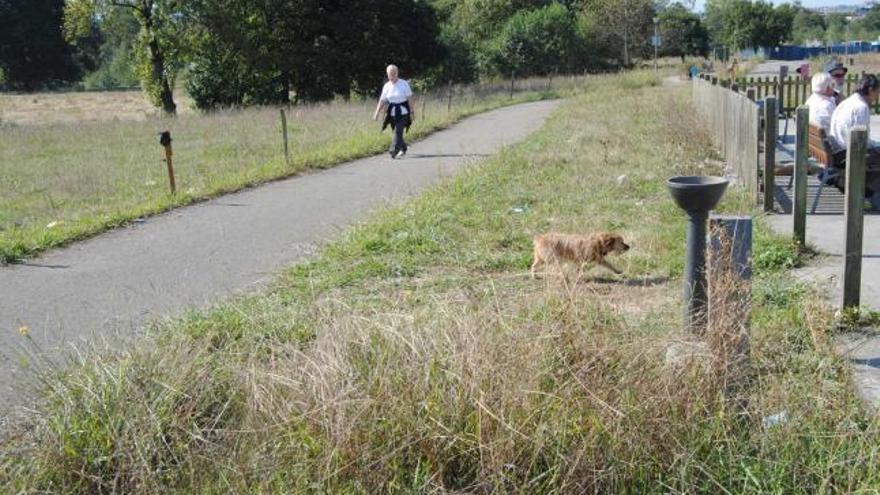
{"x": 821, "y": 102}
{"x": 396, "y": 99}
{"x": 856, "y": 111}
{"x": 837, "y": 71}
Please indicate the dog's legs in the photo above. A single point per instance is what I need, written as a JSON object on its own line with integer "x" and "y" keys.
{"x": 610, "y": 267}
{"x": 536, "y": 263}
{"x": 535, "y": 266}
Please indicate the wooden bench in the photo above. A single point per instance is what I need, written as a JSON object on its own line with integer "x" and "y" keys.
{"x": 820, "y": 151}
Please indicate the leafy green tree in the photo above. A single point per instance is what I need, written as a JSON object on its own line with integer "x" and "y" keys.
{"x": 117, "y": 51}
{"x": 739, "y": 24}
{"x": 160, "y": 45}
{"x": 623, "y": 27}
{"x": 868, "y": 27}
{"x": 539, "y": 41}
{"x": 683, "y": 32}
{"x": 33, "y": 52}
{"x": 836, "y": 32}
{"x": 807, "y": 26}
{"x": 264, "y": 51}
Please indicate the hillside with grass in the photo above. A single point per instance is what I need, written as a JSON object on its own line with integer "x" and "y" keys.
{"x": 417, "y": 355}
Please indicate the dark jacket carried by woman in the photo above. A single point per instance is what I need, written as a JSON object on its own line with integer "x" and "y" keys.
{"x": 389, "y": 120}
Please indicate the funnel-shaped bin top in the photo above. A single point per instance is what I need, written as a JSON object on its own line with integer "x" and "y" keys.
{"x": 696, "y": 192}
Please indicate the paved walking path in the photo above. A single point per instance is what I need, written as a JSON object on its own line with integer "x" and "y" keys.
{"x": 111, "y": 285}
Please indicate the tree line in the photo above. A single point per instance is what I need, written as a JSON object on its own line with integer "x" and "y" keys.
{"x": 243, "y": 52}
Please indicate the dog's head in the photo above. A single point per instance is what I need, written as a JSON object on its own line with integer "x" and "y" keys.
{"x": 613, "y": 243}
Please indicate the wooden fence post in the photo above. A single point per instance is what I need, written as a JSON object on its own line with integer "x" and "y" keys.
{"x": 165, "y": 141}
{"x": 284, "y": 135}
{"x": 780, "y": 83}
{"x": 449, "y": 96}
{"x": 729, "y": 279}
{"x": 799, "y": 207}
{"x": 771, "y": 123}
{"x": 856, "y": 154}
{"x": 750, "y": 93}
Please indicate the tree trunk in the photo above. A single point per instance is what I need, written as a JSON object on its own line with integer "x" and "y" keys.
{"x": 157, "y": 61}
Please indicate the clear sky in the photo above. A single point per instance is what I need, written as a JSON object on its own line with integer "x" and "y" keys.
{"x": 806, "y": 3}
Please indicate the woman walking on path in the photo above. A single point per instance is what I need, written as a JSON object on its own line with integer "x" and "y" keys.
{"x": 396, "y": 99}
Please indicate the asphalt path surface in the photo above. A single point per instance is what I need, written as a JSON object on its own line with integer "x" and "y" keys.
{"x": 110, "y": 286}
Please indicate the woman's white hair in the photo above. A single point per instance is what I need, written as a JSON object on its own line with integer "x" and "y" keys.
{"x": 821, "y": 82}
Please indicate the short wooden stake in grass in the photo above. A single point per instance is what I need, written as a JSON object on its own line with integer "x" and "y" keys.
{"x": 799, "y": 206}
{"x": 165, "y": 141}
{"x": 449, "y": 97}
{"x": 856, "y": 154}
{"x": 771, "y": 124}
{"x": 729, "y": 278}
{"x": 284, "y": 135}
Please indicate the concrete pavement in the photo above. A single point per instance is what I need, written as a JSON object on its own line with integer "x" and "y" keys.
{"x": 111, "y": 285}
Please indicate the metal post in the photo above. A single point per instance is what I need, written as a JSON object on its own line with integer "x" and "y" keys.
{"x": 799, "y": 207}
{"x": 771, "y": 124}
{"x": 695, "y": 272}
{"x": 856, "y": 154}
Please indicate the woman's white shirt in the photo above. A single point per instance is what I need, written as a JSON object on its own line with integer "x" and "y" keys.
{"x": 397, "y": 92}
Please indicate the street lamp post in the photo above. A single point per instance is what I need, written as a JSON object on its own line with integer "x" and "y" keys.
{"x": 656, "y": 42}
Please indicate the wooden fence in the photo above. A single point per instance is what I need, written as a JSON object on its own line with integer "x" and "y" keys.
{"x": 734, "y": 123}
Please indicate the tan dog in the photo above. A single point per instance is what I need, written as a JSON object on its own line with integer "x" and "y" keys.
{"x": 578, "y": 248}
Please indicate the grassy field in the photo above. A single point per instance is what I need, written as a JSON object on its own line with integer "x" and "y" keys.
{"x": 416, "y": 355}
{"x": 65, "y": 181}
{"x": 78, "y": 107}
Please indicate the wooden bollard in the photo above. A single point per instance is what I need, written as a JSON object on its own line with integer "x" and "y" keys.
{"x": 802, "y": 148}
{"x": 729, "y": 278}
{"x": 728, "y": 334}
{"x": 856, "y": 154}
{"x": 165, "y": 141}
{"x": 780, "y": 85}
{"x": 449, "y": 97}
{"x": 284, "y": 135}
{"x": 771, "y": 124}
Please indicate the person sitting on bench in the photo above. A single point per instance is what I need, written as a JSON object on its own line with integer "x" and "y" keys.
{"x": 821, "y": 102}
{"x": 837, "y": 71}
{"x": 853, "y": 111}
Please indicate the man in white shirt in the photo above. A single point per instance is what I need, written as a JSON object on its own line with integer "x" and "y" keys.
{"x": 853, "y": 111}
{"x": 396, "y": 98}
{"x": 821, "y": 102}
